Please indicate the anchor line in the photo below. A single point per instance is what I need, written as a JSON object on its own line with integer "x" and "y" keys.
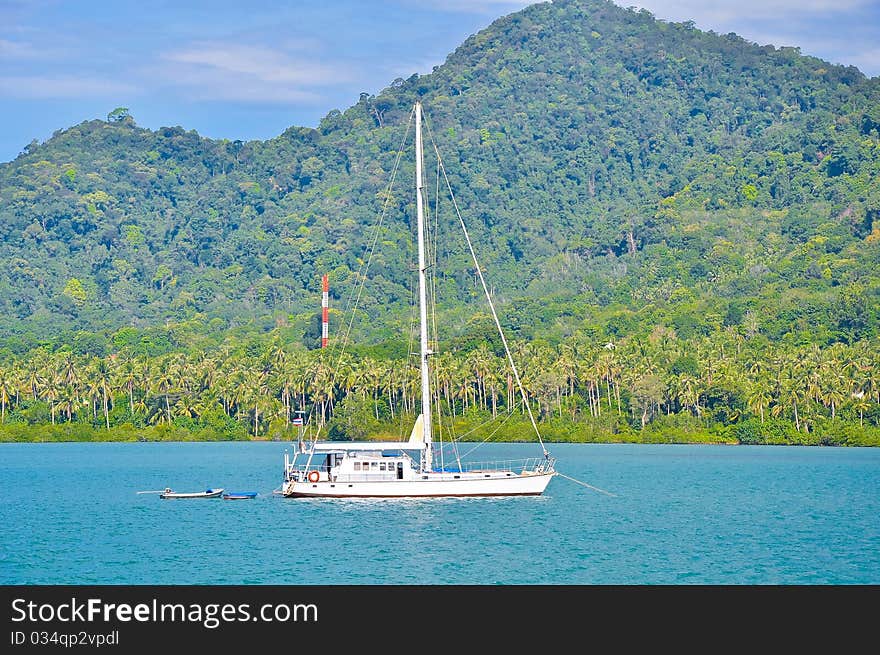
{"x": 588, "y": 486}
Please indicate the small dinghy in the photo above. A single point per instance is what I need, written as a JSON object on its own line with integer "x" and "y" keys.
{"x": 207, "y": 493}
{"x": 239, "y": 495}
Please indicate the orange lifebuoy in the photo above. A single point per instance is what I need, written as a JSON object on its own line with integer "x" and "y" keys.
{"x": 314, "y": 476}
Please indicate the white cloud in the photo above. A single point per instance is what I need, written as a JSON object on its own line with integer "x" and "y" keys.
{"x": 495, "y": 7}
{"x": 707, "y": 13}
{"x": 200, "y": 85}
{"x": 36, "y": 50}
{"x": 867, "y": 60}
{"x": 249, "y": 73}
{"x": 18, "y": 50}
{"x": 839, "y": 31}
{"x": 260, "y": 63}
{"x": 69, "y": 86}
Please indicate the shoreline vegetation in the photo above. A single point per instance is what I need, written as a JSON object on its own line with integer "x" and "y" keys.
{"x": 778, "y": 433}
{"x": 724, "y": 388}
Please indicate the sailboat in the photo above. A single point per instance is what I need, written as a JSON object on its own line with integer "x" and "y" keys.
{"x": 335, "y": 469}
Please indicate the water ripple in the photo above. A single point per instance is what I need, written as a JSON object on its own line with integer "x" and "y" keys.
{"x": 681, "y": 515}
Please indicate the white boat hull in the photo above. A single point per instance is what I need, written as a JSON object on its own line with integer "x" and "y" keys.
{"x": 211, "y": 493}
{"x": 532, "y": 484}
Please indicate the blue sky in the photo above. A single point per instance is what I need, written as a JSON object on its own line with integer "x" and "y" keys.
{"x": 248, "y": 70}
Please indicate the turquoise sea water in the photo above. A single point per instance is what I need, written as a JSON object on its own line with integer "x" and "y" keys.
{"x": 680, "y": 515}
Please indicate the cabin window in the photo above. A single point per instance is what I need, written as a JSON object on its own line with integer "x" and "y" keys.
{"x": 374, "y": 466}
{"x": 357, "y": 466}
{"x": 381, "y": 466}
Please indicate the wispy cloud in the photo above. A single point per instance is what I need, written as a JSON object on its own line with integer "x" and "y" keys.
{"x": 476, "y": 6}
{"x": 20, "y": 50}
{"x": 259, "y": 63}
{"x": 866, "y": 60}
{"x": 208, "y": 84}
{"x": 840, "y": 31}
{"x": 837, "y": 50}
{"x": 742, "y": 11}
{"x": 70, "y": 86}
{"x": 250, "y": 73}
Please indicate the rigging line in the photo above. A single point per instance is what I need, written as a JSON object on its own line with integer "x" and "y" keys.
{"x": 451, "y": 428}
{"x": 435, "y": 271}
{"x": 410, "y": 352}
{"x": 365, "y": 266}
{"x": 501, "y": 425}
{"x": 439, "y": 415}
{"x": 488, "y": 295}
{"x": 362, "y": 274}
{"x": 491, "y": 434}
{"x": 433, "y": 241}
{"x": 588, "y": 486}
{"x": 357, "y": 289}
{"x": 453, "y": 440}
{"x": 482, "y": 425}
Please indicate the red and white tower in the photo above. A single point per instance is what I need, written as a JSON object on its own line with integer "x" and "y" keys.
{"x": 325, "y": 304}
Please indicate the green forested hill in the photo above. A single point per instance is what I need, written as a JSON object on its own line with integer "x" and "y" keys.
{"x": 618, "y": 170}
{"x": 682, "y": 230}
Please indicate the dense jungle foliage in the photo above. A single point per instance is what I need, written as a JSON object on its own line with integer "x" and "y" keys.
{"x": 634, "y": 187}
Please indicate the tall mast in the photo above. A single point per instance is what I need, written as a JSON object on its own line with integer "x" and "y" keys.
{"x": 325, "y": 304}
{"x": 423, "y": 299}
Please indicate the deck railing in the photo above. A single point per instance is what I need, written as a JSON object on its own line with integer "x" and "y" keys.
{"x": 531, "y": 465}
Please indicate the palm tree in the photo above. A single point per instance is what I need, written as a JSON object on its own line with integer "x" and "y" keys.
{"x": 689, "y": 392}
{"x": 258, "y": 392}
{"x": 789, "y": 392}
{"x": 443, "y": 367}
{"x": 101, "y": 376}
{"x": 388, "y": 382}
{"x": 33, "y": 378}
{"x": 187, "y": 406}
{"x": 140, "y": 407}
{"x": 481, "y": 366}
{"x": 833, "y": 394}
{"x": 69, "y": 401}
{"x": 861, "y": 405}
{"x": 7, "y": 388}
{"x": 759, "y": 397}
{"x": 372, "y": 375}
{"x": 51, "y": 392}
{"x": 127, "y": 372}
{"x": 493, "y": 382}
{"x": 70, "y": 374}
{"x": 322, "y": 388}
{"x": 181, "y": 371}
{"x": 164, "y": 382}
